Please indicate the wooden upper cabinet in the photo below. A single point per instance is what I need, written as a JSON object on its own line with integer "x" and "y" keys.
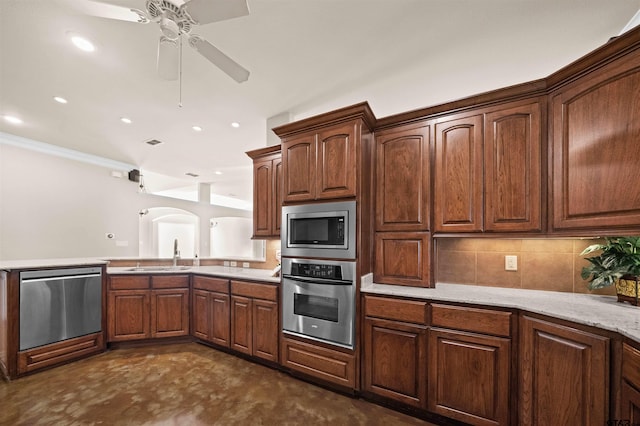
{"x": 336, "y": 162}
{"x": 267, "y": 191}
{"x": 458, "y": 175}
{"x": 596, "y": 149}
{"x": 512, "y": 168}
{"x": 402, "y": 179}
{"x": 321, "y": 165}
{"x": 299, "y": 162}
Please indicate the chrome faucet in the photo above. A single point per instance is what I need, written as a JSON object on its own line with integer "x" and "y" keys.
{"x": 176, "y": 252}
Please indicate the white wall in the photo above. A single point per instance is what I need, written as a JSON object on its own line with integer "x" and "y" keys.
{"x": 53, "y": 207}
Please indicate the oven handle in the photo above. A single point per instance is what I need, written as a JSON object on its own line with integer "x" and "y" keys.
{"x": 323, "y": 281}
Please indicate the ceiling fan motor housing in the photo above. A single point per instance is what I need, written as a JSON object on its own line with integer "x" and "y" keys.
{"x": 173, "y": 20}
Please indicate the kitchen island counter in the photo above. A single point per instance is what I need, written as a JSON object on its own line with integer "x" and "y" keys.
{"x": 597, "y": 311}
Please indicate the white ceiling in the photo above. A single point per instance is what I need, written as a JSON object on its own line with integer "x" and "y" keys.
{"x": 305, "y": 57}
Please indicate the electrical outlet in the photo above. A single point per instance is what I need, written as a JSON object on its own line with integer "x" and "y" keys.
{"x": 225, "y": 263}
{"x": 233, "y": 263}
{"x": 246, "y": 265}
{"x": 511, "y": 263}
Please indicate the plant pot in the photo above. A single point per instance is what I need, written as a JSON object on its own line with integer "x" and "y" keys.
{"x": 627, "y": 289}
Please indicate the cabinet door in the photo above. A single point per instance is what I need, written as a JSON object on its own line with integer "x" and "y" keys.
{"x": 564, "y": 375}
{"x": 402, "y": 179}
{"x": 595, "y": 151}
{"x": 170, "y": 312}
{"x": 336, "y": 161}
{"x": 512, "y": 167}
{"x": 265, "y": 329}
{"x": 630, "y": 404}
{"x": 262, "y": 198}
{"x": 220, "y": 320}
{"x": 241, "y": 325}
{"x": 394, "y": 361}
{"x": 201, "y": 326}
{"x": 458, "y": 175}
{"x": 402, "y": 258}
{"x": 128, "y": 314}
{"x": 299, "y": 167}
{"x": 469, "y": 376}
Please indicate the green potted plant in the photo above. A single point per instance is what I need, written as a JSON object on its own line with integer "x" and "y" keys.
{"x": 618, "y": 264}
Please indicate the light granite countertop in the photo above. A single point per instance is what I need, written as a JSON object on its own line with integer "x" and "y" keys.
{"x": 218, "y": 271}
{"x": 11, "y": 265}
{"x": 597, "y": 311}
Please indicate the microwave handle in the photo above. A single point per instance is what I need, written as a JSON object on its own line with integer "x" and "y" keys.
{"x": 313, "y": 280}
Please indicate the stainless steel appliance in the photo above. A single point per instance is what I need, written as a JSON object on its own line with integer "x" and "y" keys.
{"x": 320, "y": 230}
{"x": 319, "y": 300}
{"x": 59, "y": 304}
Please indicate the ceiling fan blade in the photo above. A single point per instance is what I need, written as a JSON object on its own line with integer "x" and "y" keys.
{"x": 168, "y": 58}
{"x": 110, "y": 11}
{"x": 207, "y": 11}
{"x": 219, "y": 59}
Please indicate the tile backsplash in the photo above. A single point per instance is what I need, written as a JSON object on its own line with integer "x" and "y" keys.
{"x": 543, "y": 264}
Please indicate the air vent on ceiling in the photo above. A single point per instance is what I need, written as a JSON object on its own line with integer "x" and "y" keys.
{"x": 191, "y": 174}
{"x": 154, "y": 142}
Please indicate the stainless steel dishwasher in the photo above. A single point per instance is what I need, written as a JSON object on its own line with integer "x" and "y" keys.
{"x": 59, "y": 304}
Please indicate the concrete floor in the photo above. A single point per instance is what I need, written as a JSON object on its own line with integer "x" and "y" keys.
{"x": 179, "y": 384}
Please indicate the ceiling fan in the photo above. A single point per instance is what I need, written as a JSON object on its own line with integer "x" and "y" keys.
{"x": 177, "y": 18}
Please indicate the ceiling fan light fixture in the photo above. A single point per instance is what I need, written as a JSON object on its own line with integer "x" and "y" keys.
{"x": 169, "y": 28}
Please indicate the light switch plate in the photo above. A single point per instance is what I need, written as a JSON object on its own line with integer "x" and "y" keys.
{"x": 511, "y": 263}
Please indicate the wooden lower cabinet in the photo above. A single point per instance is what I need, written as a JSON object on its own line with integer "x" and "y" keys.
{"x": 394, "y": 361}
{"x": 630, "y": 390}
{"x": 255, "y": 319}
{"x": 210, "y": 303}
{"x": 59, "y": 352}
{"x": 147, "y": 306}
{"x": 564, "y": 375}
{"x": 331, "y": 366}
{"x": 469, "y": 376}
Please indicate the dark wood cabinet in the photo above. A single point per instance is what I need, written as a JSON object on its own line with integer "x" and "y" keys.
{"x": 402, "y": 176}
{"x": 321, "y": 165}
{"x": 394, "y": 364}
{"x": 403, "y": 258}
{"x": 630, "y": 389}
{"x": 458, "y": 177}
{"x": 564, "y": 375}
{"x": 254, "y": 319}
{"x": 513, "y": 168}
{"x": 210, "y": 310}
{"x": 595, "y": 152}
{"x": 267, "y": 192}
{"x": 469, "y": 376}
{"x": 147, "y": 306}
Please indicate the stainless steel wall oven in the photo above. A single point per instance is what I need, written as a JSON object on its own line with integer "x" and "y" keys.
{"x": 319, "y": 300}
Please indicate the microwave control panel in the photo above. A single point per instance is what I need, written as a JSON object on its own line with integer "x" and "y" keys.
{"x": 316, "y": 270}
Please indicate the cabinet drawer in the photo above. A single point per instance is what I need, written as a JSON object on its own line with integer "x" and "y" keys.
{"x": 218, "y": 285}
{"x": 471, "y": 319}
{"x": 129, "y": 282}
{"x": 60, "y": 352}
{"x": 396, "y": 309}
{"x": 326, "y": 364}
{"x": 255, "y": 290}
{"x": 631, "y": 364}
{"x": 170, "y": 281}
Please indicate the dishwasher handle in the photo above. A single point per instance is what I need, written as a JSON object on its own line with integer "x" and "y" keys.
{"x": 63, "y": 277}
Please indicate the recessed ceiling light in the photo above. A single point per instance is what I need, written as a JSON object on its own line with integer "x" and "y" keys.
{"x": 125, "y": 120}
{"x": 12, "y": 119}
{"x": 197, "y": 128}
{"x": 191, "y": 174}
{"x": 218, "y": 172}
{"x": 82, "y": 43}
{"x": 60, "y": 100}
{"x": 154, "y": 142}
{"x": 235, "y": 124}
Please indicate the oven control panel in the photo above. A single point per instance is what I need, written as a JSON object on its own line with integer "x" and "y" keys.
{"x": 316, "y": 270}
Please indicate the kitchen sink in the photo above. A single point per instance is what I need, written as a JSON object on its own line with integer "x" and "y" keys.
{"x": 158, "y": 268}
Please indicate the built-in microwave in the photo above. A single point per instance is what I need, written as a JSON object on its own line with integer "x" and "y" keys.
{"x": 319, "y": 230}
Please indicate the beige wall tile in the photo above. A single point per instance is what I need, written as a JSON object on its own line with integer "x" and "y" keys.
{"x": 456, "y": 244}
{"x": 456, "y": 267}
{"x": 547, "y": 246}
{"x": 547, "y": 271}
{"x": 500, "y": 245}
{"x": 580, "y": 244}
{"x": 490, "y": 271}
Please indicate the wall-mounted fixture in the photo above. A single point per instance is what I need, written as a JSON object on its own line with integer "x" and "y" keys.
{"x": 134, "y": 175}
